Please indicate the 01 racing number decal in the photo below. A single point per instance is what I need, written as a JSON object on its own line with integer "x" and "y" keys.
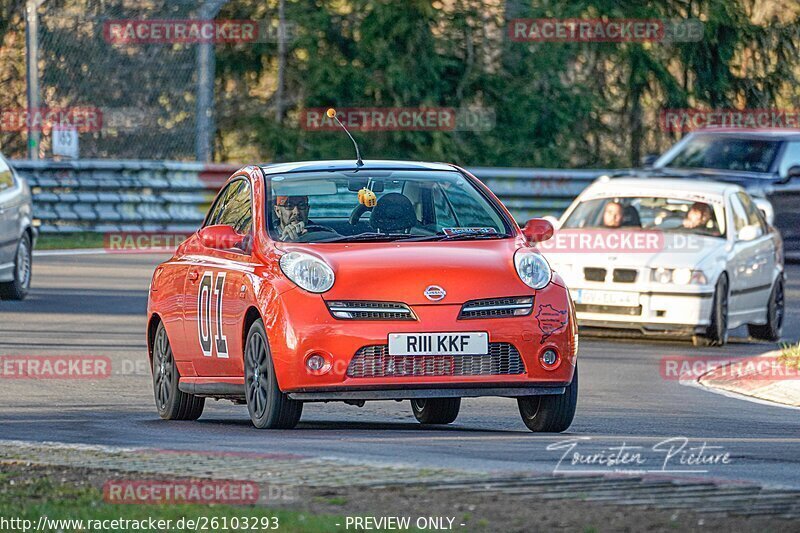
{"x": 551, "y": 320}
{"x": 209, "y": 316}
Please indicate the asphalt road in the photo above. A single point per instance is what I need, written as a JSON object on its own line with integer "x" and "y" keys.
{"x": 95, "y": 305}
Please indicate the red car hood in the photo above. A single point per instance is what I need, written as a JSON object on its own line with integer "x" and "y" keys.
{"x": 400, "y": 272}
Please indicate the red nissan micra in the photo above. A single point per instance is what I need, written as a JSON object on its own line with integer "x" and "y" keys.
{"x": 355, "y": 281}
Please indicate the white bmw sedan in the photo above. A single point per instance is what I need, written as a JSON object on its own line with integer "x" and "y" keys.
{"x": 669, "y": 256}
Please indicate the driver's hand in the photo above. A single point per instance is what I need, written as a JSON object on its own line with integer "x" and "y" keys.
{"x": 292, "y": 232}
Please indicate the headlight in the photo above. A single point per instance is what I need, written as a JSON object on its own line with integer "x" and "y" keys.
{"x": 307, "y": 271}
{"x": 532, "y": 268}
{"x": 679, "y": 276}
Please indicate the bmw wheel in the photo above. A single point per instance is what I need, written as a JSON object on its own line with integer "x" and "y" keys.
{"x": 269, "y": 408}
{"x": 772, "y": 330}
{"x": 552, "y": 413}
{"x": 17, "y": 289}
{"x": 435, "y": 410}
{"x": 171, "y": 402}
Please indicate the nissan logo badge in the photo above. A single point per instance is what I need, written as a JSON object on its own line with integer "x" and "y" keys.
{"x": 435, "y": 293}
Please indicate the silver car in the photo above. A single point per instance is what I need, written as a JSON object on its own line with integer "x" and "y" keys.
{"x": 17, "y": 234}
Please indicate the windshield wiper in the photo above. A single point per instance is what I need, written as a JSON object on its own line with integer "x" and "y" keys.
{"x": 469, "y": 235}
{"x": 375, "y": 237}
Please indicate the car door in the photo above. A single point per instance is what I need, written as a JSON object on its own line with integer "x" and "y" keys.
{"x": 763, "y": 260}
{"x": 10, "y": 196}
{"x": 748, "y": 263}
{"x": 217, "y": 286}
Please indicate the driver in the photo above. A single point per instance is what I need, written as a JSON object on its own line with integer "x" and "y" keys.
{"x": 291, "y": 213}
{"x": 698, "y": 216}
{"x": 292, "y": 216}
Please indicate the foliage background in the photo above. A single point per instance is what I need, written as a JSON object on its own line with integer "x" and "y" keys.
{"x": 556, "y": 104}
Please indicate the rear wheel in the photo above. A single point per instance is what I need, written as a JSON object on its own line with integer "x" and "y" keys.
{"x": 552, "y": 413}
{"x": 436, "y": 410}
{"x": 17, "y": 289}
{"x": 717, "y": 332}
{"x": 269, "y": 408}
{"x": 771, "y": 331}
{"x": 171, "y": 402}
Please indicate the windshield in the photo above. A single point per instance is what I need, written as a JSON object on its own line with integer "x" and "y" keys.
{"x": 725, "y": 153}
{"x": 382, "y": 205}
{"x": 649, "y": 213}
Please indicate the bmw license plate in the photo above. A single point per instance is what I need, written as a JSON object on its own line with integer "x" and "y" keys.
{"x": 616, "y": 298}
{"x": 439, "y": 343}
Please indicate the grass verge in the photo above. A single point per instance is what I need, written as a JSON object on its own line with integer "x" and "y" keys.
{"x": 69, "y": 241}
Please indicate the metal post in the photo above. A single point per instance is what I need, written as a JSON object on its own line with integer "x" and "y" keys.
{"x": 204, "y": 132}
{"x": 32, "y": 71}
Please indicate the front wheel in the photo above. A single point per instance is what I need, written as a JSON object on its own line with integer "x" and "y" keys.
{"x": 772, "y": 330}
{"x": 17, "y": 289}
{"x": 436, "y": 410}
{"x": 171, "y": 402}
{"x": 269, "y": 408}
{"x": 717, "y": 332}
{"x": 551, "y": 413}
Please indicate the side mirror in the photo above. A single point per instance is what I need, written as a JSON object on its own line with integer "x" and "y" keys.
{"x": 648, "y": 160}
{"x": 747, "y": 233}
{"x": 220, "y": 237}
{"x": 538, "y": 230}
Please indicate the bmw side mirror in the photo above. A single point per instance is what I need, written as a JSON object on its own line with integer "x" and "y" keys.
{"x": 748, "y": 233}
{"x": 538, "y": 230}
{"x": 221, "y": 237}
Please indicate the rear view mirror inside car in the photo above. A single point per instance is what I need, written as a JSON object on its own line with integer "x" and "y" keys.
{"x": 356, "y": 184}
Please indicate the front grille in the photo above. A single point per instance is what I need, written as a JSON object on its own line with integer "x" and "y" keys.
{"x": 497, "y": 308}
{"x": 594, "y": 274}
{"x": 610, "y": 309}
{"x": 375, "y": 362}
{"x": 625, "y": 275}
{"x": 361, "y": 310}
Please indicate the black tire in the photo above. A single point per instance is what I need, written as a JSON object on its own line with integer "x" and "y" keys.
{"x": 269, "y": 408}
{"x": 717, "y": 332}
{"x": 171, "y": 402}
{"x": 552, "y": 413}
{"x": 772, "y": 330}
{"x": 436, "y": 410}
{"x": 18, "y": 288}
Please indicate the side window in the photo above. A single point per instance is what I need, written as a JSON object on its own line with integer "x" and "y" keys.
{"x": 6, "y": 176}
{"x": 237, "y": 211}
{"x": 754, "y": 218}
{"x": 739, "y": 215}
{"x": 791, "y": 157}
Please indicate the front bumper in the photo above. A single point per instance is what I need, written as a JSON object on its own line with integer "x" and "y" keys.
{"x": 301, "y": 325}
{"x": 659, "y": 310}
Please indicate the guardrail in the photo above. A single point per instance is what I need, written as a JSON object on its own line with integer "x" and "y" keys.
{"x": 106, "y": 196}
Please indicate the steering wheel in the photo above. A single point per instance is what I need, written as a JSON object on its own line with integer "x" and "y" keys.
{"x": 357, "y": 213}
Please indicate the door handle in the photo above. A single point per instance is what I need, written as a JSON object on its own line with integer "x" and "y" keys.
{"x": 193, "y": 275}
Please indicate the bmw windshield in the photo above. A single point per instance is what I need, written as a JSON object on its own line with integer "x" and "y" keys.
{"x": 380, "y": 205}
{"x": 724, "y": 152}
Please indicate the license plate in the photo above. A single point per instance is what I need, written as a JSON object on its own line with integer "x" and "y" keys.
{"x": 614, "y": 298}
{"x": 439, "y": 343}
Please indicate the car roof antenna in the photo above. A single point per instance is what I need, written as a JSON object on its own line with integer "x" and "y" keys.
{"x": 332, "y": 114}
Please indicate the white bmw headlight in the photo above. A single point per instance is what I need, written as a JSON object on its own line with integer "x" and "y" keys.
{"x": 679, "y": 276}
{"x": 532, "y": 268}
{"x": 308, "y": 272}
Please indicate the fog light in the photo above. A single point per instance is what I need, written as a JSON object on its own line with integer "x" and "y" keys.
{"x": 549, "y": 359}
{"x": 317, "y": 364}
